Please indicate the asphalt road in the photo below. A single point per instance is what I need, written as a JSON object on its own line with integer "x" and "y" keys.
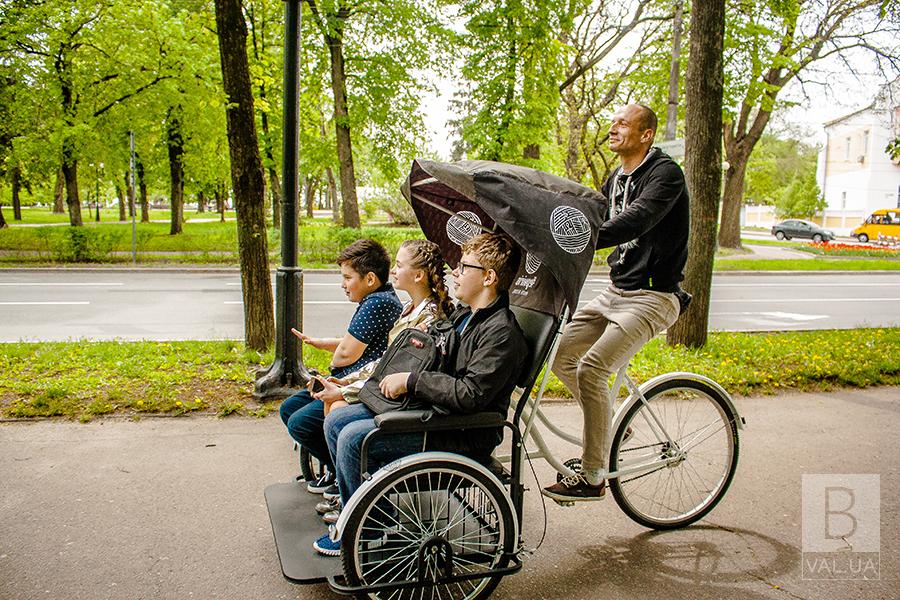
{"x": 173, "y": 509}
{"x": 105, "y": 304}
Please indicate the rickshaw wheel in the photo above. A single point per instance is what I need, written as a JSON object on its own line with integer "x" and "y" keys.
{"x": 310, "y": 467}
{"x": 424, "y": 522}
{"x": 701, "y": 425}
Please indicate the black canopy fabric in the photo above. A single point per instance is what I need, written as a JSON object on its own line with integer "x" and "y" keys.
{"x": 554, "y": 220}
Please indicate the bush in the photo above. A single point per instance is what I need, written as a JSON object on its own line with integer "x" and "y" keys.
{"x": 79, "y": 244}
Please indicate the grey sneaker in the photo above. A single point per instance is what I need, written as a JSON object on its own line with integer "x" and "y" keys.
{"x": 326, "y": 506}
{"x": 331, "y": 516}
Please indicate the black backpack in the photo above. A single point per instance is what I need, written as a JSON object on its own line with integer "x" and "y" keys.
{"x": 413, "y": 351}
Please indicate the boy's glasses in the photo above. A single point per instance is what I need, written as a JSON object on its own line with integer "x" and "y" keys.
{"x": 461, "y": 267}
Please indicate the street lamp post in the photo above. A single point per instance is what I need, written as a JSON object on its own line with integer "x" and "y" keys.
{"x": 288, "y": 371}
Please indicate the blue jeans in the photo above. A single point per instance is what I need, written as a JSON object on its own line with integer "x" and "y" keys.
{"x": 304, "y": 417}
{"x": 345, "y": 430}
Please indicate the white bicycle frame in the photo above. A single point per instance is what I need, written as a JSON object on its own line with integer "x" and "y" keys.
{"x": 532, "y": 413}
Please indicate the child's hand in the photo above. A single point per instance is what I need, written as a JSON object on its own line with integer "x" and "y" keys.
{"x": 314, "y": 342}
{"x": 331, "y": 393}
{"x": 394, "y": 385}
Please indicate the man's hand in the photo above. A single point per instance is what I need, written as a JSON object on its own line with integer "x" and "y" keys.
{"x": 394, "y": 385}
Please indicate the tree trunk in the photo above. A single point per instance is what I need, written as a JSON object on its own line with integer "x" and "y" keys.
{"x": 349, "y": 204}
{"x": 732, "y": 199}
{"x": 3, "y": 223}
{"x": 120, "y": 194}
{"x": 70, "y": 172}
{"x": 129, "y": 189}
{"x": 175, "y": 143}
{"x": 220, "y": 201}
{"x": 201, "y": 202}
{"x": 309, "y": 188}
{"x": 331, "y": 195}
{"x": 16, "y": 188}
{"x": 59, "y": 193}
{"x": 142, "y": 187}
{"x": 703, "y": 153}
{"x": 247, "y": 177}
{"x": 674, "y": 68}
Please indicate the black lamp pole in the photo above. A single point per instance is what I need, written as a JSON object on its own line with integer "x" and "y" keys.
{"x": 287, "y": 372}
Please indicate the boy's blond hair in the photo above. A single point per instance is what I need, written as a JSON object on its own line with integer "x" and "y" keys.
{"x": 498, "y": 252}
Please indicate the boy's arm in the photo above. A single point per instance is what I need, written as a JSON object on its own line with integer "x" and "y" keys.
{"x": 496, "y": 360}
{"x": 329, "y": 344}
{"x": 347, "y": 351}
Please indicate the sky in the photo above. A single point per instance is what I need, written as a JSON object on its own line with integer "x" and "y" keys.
{"x": 816, "y": 104}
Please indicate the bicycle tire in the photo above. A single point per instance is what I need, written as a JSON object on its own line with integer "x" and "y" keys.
{"x": 440, "y": 502}
{"x": 699, "y": 419}
{"x": 310, "y": 467}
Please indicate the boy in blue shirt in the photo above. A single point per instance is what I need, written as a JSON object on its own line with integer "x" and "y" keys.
{"x": 365, "y": 266}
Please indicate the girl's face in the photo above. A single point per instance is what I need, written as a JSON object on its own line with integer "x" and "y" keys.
{"x": 404, "y": 275}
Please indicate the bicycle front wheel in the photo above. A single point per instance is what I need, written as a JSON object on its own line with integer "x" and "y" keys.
{"x": 687, "y": 431}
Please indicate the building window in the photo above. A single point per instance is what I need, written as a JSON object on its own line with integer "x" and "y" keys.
{"x": 843, "y": 200}
{"x": 847, "y": 149}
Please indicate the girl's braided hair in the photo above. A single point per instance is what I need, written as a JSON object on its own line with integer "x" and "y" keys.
{"x": 426, "y": 255}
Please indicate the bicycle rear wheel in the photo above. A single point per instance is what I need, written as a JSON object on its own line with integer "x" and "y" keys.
{"x": 701, "y": 457}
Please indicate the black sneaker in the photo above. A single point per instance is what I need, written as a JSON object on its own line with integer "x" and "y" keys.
{"x": 575, "y": 488}
{"x": 331, "y": 492}
{"x": 321, "y": 484}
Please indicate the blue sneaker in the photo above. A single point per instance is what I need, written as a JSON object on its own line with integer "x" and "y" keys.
{"x": 327, "y": 546}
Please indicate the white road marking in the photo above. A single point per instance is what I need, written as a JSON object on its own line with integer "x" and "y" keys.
{"x": 808, "y": 284}
{"x": 774, "y": 315}
{"x": 336, "y": 284}
{"x": 54, "y": 303}
{"x": 304, "y": 302}
{"x": 805, "y": 300}
{"x": 59, "y": 283}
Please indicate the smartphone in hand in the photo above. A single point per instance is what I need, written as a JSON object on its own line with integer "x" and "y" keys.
{"x": 317, "y": 385}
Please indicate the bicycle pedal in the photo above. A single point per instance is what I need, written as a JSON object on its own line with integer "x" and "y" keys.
{"x": 565, "y": 503}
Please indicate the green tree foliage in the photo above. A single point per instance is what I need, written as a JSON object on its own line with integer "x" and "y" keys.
{"x": 514, "y": 61}
{"x": 802, "y": 198}
{"x": 774, "y": 165}
{"x": 769, "y": 43}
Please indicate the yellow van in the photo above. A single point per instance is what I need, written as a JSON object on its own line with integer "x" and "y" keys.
{"x": 885, "y": 222}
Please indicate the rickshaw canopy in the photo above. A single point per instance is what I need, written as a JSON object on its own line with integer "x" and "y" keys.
{"x": 554, "y": 221}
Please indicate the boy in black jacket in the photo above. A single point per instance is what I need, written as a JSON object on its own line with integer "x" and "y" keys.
{"x": 648, "y": 222}
{"x": 489, "y": 358}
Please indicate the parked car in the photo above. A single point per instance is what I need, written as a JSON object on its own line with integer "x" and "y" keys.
{"x": 796, "y": 228}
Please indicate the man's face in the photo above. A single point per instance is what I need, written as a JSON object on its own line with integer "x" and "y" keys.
{"x": 468, "y": 278}
{"x": 626, "y": 133}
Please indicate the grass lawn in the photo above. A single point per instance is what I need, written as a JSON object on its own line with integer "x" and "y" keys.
{"x": 43, "y": 215}
{"x": 84, "y": 380}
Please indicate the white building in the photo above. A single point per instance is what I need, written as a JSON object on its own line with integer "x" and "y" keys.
{"x": 854, "y": 171}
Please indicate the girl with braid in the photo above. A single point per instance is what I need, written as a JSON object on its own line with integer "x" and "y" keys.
{"x": 418, "y": 271}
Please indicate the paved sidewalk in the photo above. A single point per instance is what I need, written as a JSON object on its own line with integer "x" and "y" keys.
{"x": 174, "y": 509}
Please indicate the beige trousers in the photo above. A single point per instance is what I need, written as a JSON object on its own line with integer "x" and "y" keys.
{"x": 603, "y": 336}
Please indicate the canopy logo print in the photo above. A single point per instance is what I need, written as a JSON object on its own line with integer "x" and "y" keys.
{"x": 532, "y": 263}
{"x": 462, "y": 226}
{"x": 570, "y": 229}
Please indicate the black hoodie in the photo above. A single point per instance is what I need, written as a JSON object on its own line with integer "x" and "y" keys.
{"x": 481, "y": 376}
{"x": 648, "y": 221}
